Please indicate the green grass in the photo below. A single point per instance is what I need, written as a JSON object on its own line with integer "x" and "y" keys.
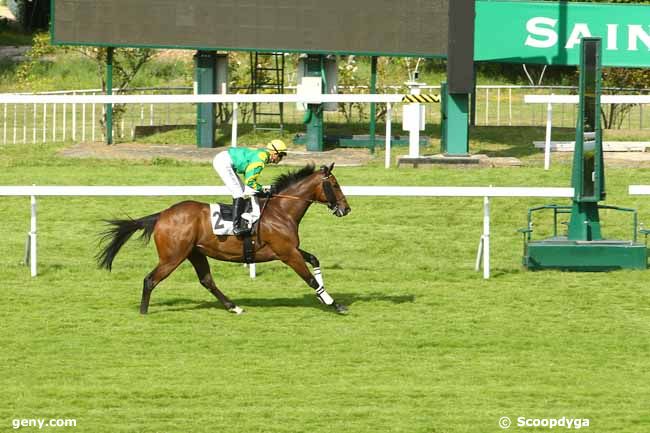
{"x": 428, "y": 346}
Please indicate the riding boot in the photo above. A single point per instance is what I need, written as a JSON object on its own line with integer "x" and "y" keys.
{"x": 238, "y": 224}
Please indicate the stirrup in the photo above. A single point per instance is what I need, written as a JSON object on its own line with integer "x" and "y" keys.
{"x": 237, "y": 231}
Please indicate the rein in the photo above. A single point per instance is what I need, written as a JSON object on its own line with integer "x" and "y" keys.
{"x": 332, "y": 202}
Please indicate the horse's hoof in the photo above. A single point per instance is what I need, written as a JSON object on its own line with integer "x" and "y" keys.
{"x": 340, "y": 308}
{"x": 236, "y": 310}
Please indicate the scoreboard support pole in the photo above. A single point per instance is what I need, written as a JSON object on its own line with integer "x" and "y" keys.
{"x": 205, "y": 83}
{"x": 109, "y": 91}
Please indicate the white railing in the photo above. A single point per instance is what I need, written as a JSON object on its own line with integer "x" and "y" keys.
{"x": 639, "y": 189}
{"x": 549, "y": 100}
{"x": 483, "y": 253}
{"x": 234, "y": 99}
{"x": 496, "y": 105}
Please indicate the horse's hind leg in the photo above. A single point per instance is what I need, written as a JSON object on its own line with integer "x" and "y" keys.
{"x": 202, "y": 268}
{"x": 159, "y": 273}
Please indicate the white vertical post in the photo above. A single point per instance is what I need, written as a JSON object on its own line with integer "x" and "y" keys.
{"x": 32, "y": 238}
{"x": 510, "y": 106}
{"x": 4, "y": 126}
{"x": 65, "y": 113}
{"x": 34, "y": 124}
{"x": 389, "y": 112}
{"x": 93, "y": 120}
{"x": 487, "y": 106}
{"x": 233, "y": 136}
{"x": 486, "y": 237}
{"x": 25, "y": 123}
{"x": 15, "y": 125}
{"x": 547, "y": 143}
{"x": 83, "y": 122}
{"x": 53, "y": 122}
{"x": 150, "y": 114}
{"x": 74, "y": 120}
{"x": 413, "y": 114}
{"x": 498, "y": 106}
{"x": 44, "y": 123}
{"x": 414, "y": 134}
{"x": 251, "y": 271}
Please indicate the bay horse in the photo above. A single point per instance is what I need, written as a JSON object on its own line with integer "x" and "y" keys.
{"x": 184, "y": 232}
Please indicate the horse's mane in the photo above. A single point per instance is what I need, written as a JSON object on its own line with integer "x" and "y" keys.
{"x": 285, "y": 180}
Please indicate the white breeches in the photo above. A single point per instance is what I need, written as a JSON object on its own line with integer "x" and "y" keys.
{"x": 223, "y": 166}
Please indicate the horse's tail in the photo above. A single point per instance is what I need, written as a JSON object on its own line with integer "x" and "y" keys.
{"x": 120, "y": 232}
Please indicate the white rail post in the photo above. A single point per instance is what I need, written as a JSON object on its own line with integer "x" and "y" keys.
{"x": 233, "y": 137}
{"x": 487, "y": 106}
{"x": 483, "y": 251}
{"x": 53, "y": 122}
{"x": 547, "y": 144}
{"x": 93, "y": 121}
{"x": 25, "y": 123}
{"x": 486, "y": 238}
{"x": 15, "y": 125}
{"x": 389, "y": 111}
{"x": 34, "y": 123}
{"x": 44, "y": 123}
{"x": 83, "y": 122}
{"x": 74, "y": 120}
{"x": 32, "y": 237}
{"x": 4, "y": 125}
{"x": 498, "y": 106}
{"x": 510, "y": 106}
{"x": 251, "y": 271}
{"x": 65, "y": 118}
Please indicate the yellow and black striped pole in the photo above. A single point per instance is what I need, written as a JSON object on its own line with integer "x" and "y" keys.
{"x": 421, "y": 99}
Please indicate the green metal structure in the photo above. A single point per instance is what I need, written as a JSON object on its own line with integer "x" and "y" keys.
{"x": 454, "y": 138}
{"x": 204, "y": 66}
{"x": 584, "y": 248}
{"x": 314, "y": 136}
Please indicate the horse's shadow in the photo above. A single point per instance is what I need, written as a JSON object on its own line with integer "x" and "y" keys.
{"x": 305, "y": 301}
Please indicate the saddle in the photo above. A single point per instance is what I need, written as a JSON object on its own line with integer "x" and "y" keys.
{"x": 221, "y": 221}
{"x": 221, "y": 216}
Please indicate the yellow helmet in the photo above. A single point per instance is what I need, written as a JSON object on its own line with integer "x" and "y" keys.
{"x": 277, "y": 146}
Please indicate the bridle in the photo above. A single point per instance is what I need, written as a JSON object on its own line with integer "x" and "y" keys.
{"x": 328, "y": 189}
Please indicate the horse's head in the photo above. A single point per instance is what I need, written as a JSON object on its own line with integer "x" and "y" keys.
{"x": 329, "y": 192}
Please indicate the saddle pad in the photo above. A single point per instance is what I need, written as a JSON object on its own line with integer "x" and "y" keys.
{"x": 220, "y": 225}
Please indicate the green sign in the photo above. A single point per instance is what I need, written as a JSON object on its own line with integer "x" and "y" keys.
{"x": 550, "y": 32}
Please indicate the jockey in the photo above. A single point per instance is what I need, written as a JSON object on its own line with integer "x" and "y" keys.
{"x": 250, "y": 163}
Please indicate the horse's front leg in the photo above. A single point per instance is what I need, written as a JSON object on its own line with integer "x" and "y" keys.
{"x": 315, "y": 264}
{"x": 296, "y": 260}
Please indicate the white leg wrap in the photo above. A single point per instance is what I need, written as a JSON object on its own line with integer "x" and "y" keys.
{"x": 323, "y": 296}
{"x": 319, "y": 277}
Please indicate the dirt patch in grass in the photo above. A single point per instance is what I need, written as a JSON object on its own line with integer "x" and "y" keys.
{"x": 140, "y": 151}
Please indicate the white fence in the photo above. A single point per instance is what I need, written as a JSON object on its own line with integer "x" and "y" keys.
{"x": 483, "y": 253}
{"x": 46, "y": 122}
{"x": 234, "y": 99}
{"x": 549, "y": 100}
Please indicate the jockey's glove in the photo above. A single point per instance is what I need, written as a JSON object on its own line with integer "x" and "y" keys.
{"x": 269, "y": 189}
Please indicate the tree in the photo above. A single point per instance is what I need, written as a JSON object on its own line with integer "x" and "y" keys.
{"x": 621, "y": 80}
{"x": 126, "y": 64}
